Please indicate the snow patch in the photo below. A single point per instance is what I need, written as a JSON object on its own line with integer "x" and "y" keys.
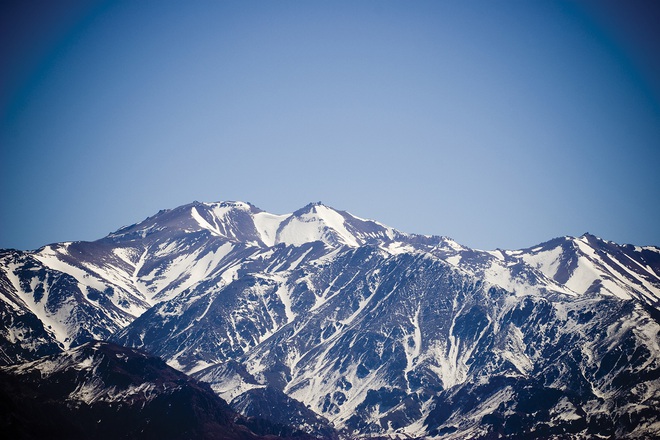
{"x": 316, "y": 225}
{"x": 267, "y": 225}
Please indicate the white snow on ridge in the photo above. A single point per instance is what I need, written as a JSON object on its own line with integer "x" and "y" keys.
{"x": 496, "y": 254}
{"x": 50, "y": 258}
{"x": 313, "y": 226}
{"x": 499, "y": 275}
{"x": 321, "y": 224}
{"x": 267, "y": 225}
{"x": 98, "y": 277}
{"x": 589, "y": 270}
{"x": 300, "y": 231}
{"x": 193, "y": 268}
{"x": 53, "y": 323}
{"x": 454, "y": 260}
{"x": 547, "y": 262}
{"x": 183, "y": 272}
{"x": 650, "y": 291}
{"x": 335, "y": 221}
{"x": 203, "y": 223}
{"x": 398, "y": 247}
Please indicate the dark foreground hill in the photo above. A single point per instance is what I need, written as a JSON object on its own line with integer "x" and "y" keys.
{"x": 103, "y": 391}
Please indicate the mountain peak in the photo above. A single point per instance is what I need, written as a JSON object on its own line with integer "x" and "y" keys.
{"x": 311, "y": 207}
{"x": 316, "y": 222}
{"x": 239, "y": 221}
{"x": 230, "y": 204}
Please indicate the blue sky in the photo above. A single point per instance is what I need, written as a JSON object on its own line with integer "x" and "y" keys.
{"x": 499, "y": 124}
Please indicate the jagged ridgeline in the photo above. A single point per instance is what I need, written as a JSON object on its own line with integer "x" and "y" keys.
{"x": 341, "y": 326}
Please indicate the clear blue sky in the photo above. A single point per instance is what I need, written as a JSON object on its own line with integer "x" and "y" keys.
{"x": 499, "y": 124}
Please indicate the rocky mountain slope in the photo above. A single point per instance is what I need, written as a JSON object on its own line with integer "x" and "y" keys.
{"x": 327, "y": 321}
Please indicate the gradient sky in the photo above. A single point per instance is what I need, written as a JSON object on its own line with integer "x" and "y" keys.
{"x": 499, "y": 124}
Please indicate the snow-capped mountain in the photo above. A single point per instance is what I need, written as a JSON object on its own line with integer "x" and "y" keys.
{"x": 328, "y": 321}
{"x": 571, "y": 265}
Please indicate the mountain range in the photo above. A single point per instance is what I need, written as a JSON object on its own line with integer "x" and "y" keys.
{"x": 342, "y": 327}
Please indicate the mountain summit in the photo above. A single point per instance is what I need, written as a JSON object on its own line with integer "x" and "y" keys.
{"x": 336, "y": 324}
{"x": 245, "y": 223}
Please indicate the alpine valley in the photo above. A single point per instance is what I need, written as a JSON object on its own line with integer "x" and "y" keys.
{"x": 322, "y": 324}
